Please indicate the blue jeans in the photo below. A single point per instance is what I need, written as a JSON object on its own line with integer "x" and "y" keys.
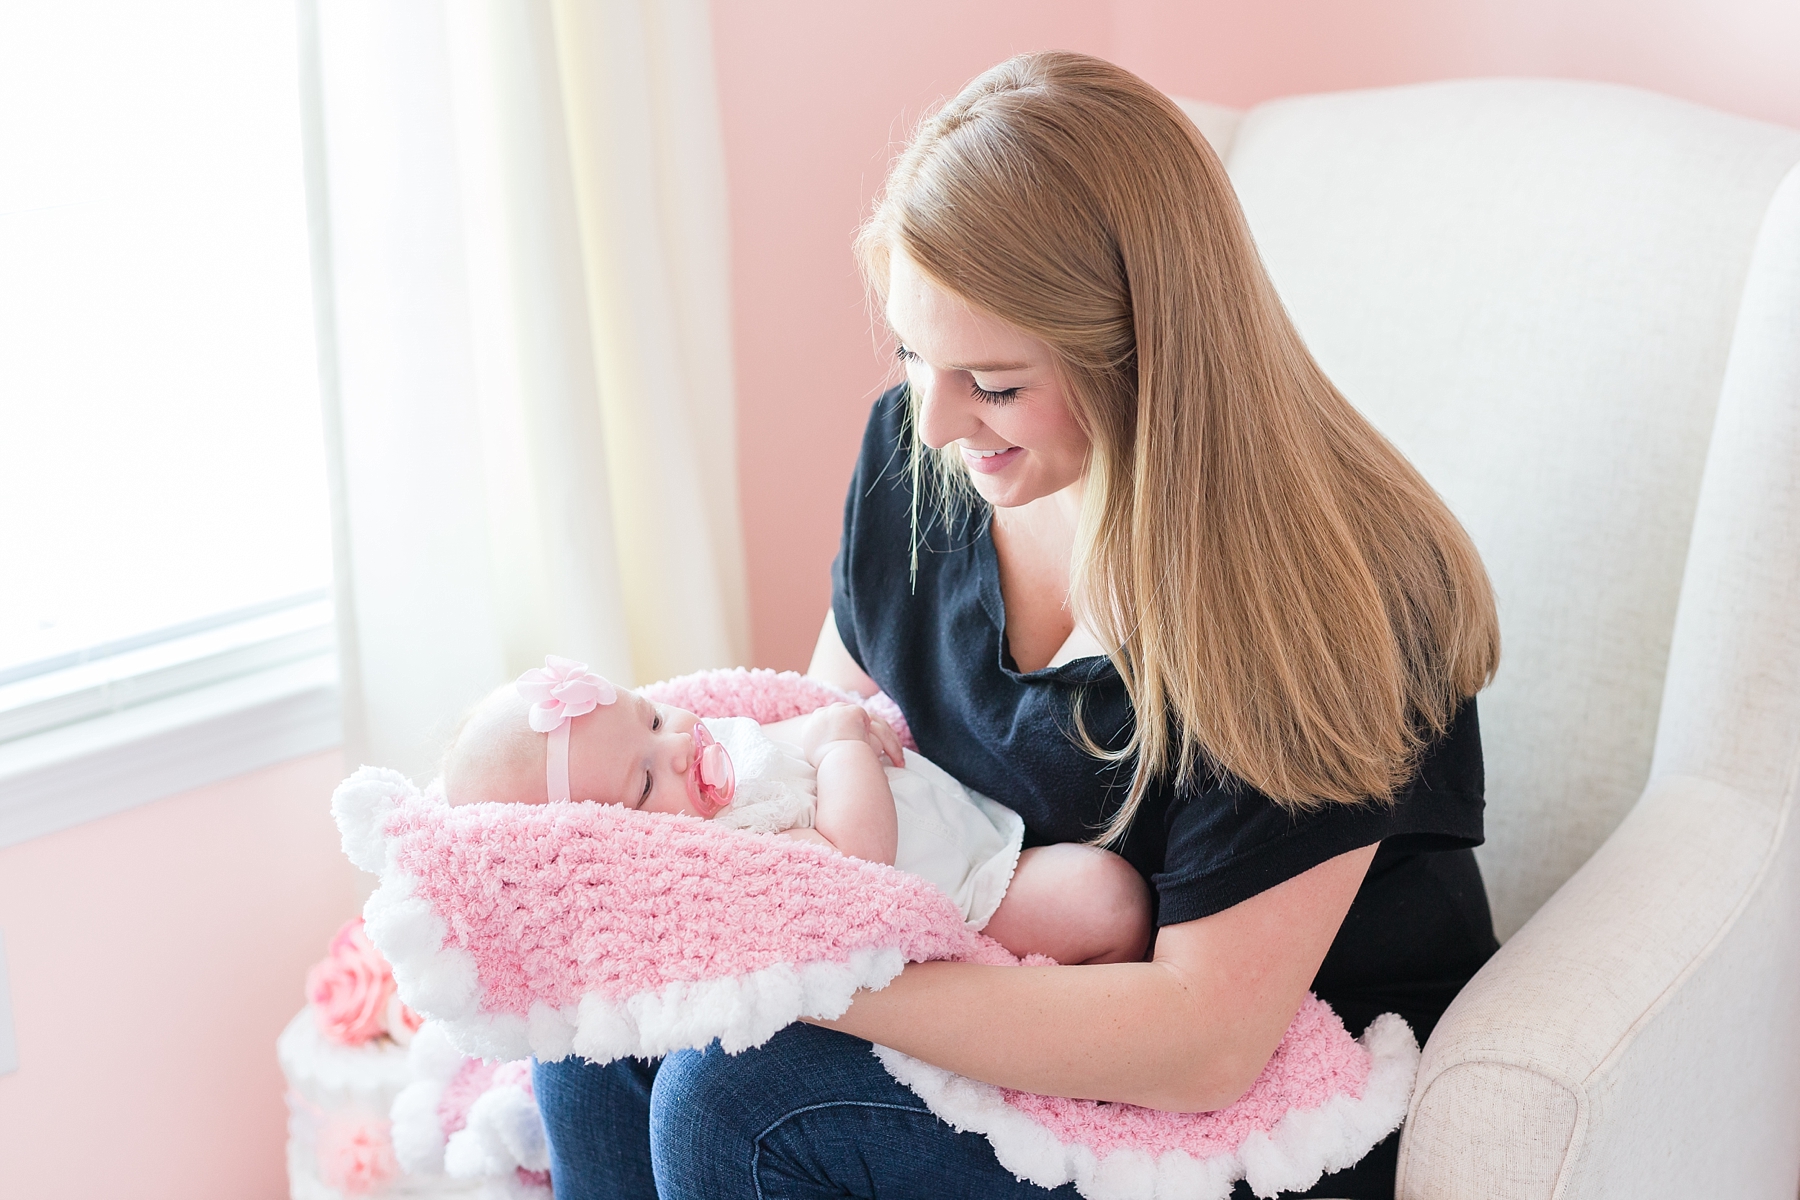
{"x": 810, "y": 1114}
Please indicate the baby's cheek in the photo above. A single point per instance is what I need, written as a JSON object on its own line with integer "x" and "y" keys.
{"x": 667, "y": 804}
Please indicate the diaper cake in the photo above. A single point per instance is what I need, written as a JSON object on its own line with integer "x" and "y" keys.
{"x": 464, "y": 1127}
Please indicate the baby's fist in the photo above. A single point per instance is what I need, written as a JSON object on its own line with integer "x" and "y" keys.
{"x": 850, "y": 723}
{"x": 834, "y": 723}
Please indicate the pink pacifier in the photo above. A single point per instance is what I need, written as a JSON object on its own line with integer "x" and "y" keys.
{"x": 712, "y": 771}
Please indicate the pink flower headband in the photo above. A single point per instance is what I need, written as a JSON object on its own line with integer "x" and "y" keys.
{"x": 561, "y": 690}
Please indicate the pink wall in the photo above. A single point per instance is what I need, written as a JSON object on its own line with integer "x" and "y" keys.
{"x": 817, "y": 92}
{"x": 1737, "y": 55}
{"x": 154, "y": 956}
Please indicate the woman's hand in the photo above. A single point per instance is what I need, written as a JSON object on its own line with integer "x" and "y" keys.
{"x": 1188, "y": 1031}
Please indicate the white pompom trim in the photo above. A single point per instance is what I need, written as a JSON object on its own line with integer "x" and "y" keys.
{"x": 418, "y": 1130}
{"x": 503, "y": 1132}
{"x": 1303, "y": 1146}
{"x": 361, "y": 805}
{"x": 738, "y": 1012}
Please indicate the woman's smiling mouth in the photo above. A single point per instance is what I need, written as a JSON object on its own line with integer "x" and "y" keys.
{"x": 989, "y": 461}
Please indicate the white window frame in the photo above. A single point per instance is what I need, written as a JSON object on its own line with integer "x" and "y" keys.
{"x": 89, "y": 734}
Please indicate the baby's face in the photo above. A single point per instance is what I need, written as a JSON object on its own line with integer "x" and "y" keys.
{"x": 632, "y": 752}
{"x": 637, "y": 753}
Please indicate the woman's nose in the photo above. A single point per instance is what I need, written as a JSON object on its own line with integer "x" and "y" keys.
{"x": 942, "y": 419}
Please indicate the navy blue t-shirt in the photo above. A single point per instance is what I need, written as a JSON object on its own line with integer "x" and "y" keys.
{"x": 1418, "y": 928}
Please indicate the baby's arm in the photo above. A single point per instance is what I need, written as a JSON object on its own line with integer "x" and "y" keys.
{"x": 855, "y": 807}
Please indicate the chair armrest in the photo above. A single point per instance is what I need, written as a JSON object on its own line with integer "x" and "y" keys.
{"x": 1637, "y": 1037}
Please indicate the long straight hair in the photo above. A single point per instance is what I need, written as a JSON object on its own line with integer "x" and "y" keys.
{"x": 1287, "y": 600}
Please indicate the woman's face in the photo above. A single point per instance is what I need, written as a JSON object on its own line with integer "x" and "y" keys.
{"x": 986, "y": 386}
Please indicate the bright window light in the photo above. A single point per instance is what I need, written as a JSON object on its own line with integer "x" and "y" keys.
{"x": 161, "y": 462}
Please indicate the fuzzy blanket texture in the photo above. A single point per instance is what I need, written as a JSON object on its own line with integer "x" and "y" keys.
{"x": 579, "y": 928}
{"x": 470, "y": 1119}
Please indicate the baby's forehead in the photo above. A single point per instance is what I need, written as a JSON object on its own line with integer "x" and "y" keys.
{"x": 624, "y": 714}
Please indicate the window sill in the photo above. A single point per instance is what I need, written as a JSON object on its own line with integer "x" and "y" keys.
{"x": 62, "y": 777}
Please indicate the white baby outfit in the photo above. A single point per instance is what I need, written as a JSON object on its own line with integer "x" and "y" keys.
{"x": 959, "y": 840}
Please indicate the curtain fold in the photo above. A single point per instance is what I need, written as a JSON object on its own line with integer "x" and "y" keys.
{"x": 523, "y": 204}
{"x": 638, "y": 85}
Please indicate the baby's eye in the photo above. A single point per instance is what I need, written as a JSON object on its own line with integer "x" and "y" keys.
{"x": 648, "y": 781}
{"x": 655, "y": 722}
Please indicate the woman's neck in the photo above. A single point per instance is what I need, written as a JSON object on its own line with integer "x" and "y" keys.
{"x": 1034, "y": 544}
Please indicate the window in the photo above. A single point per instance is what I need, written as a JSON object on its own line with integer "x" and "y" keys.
{"x": 164, "y": 542}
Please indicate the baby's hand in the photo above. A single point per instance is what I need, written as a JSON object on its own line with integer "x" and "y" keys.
{"x": 885, "y": 740}
{"x": 850, "y": 723}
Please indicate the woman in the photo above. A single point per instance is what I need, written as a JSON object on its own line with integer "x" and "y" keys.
{"x": 1115, "y": 483}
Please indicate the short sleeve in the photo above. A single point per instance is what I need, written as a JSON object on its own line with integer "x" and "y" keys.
{"x": 1227, "y": 842}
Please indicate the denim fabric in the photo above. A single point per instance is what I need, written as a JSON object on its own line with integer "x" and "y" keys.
{"x": 597, "y": 1119}
{"x": 810, "y": 1114}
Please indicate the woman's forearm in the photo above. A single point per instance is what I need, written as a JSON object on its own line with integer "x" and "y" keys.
{"x": 1188, "y": 1032}
{"x": 1132, "y": 1032}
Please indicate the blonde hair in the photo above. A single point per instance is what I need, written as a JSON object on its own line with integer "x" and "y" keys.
{"x": 1287, "y": 600}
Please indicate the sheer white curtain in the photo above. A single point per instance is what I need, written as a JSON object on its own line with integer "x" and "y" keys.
{"x": 524, "y": 294}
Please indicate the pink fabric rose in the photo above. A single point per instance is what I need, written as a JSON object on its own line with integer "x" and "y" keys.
{"x": 355, "y": 1156}
{"x": 562, "y": 689}
{"x": 350, "y": 988}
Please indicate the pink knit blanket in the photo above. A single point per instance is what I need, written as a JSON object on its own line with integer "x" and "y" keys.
{"x": 580, "y": 928}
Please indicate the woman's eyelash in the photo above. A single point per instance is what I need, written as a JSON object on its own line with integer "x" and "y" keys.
{"x": 1004, "y": 396}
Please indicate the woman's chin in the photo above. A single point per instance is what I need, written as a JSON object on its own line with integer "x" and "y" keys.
{"x": 1003, "y": 492}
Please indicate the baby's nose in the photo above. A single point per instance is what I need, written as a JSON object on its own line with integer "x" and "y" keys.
{"x": 682, "y": 757}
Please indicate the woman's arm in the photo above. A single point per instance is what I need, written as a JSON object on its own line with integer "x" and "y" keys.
{"x": 833, "y": 664}
{"x": 1188, "y": 1031}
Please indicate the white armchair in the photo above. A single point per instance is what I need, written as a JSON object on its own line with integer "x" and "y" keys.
{"x": 1577, "y": 308}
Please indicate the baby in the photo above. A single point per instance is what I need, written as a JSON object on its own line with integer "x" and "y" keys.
{"x": 837, "y": 777}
